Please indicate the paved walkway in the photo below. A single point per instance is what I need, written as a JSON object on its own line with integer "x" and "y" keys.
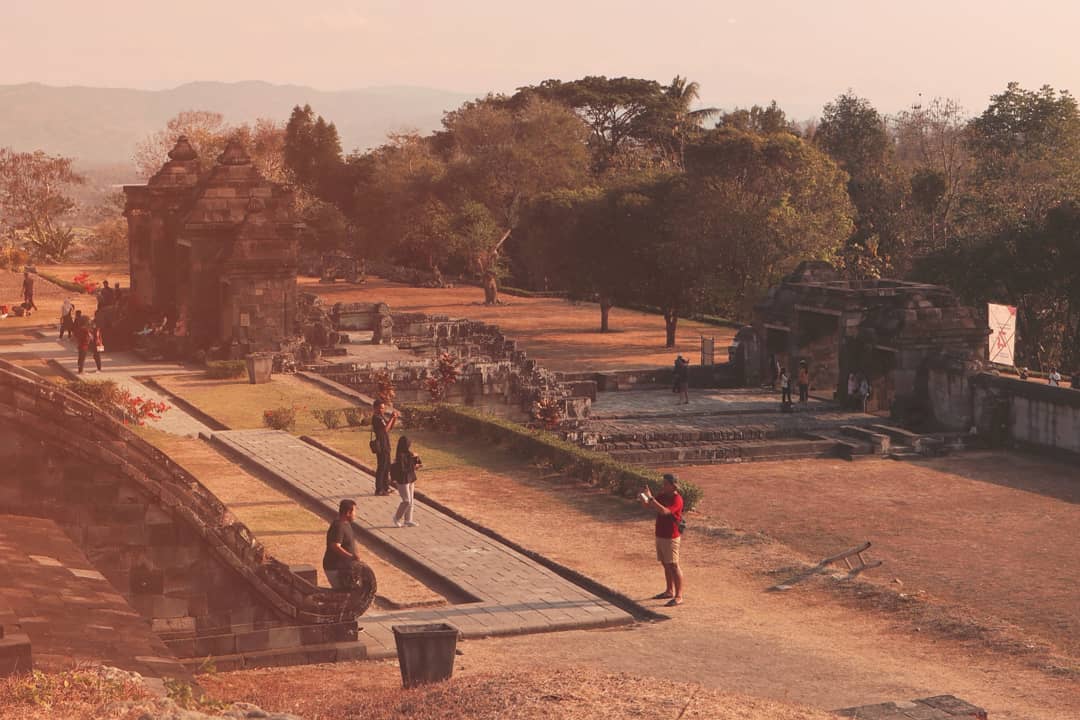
{"x": 513, "y": 593}
{"x": 122, "y": 368}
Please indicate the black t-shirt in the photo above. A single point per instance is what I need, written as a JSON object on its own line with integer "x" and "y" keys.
{"x": 382, "y": 436}
{"x": 340, "y": 532}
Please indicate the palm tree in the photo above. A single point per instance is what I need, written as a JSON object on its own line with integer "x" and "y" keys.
{"x": 680, "y": 96}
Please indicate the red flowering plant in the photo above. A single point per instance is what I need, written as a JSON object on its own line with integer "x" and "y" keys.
{"x": 446, "y": 374}
{"x": 119, "y": 402}
{"x": 548, "y": 410}
{"x": 83, "y": 280}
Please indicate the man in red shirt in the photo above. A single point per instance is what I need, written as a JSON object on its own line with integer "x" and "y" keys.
{"x": 669, "y": 506}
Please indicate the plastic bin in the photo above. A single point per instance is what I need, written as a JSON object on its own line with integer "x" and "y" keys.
{"x": 425, "y": 652}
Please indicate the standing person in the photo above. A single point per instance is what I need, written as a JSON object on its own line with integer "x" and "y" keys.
{"x": 405, "y": 464}
{"x": 88, "y": 337}
{"x": 28, "y": 292}
{"x": 775, "y": 371}
{"x": 381, "y": 427}
{"x": 804, "y": 382}
{"x": 682, "y": 379}
{"x": 67, "y": 318}
{"x": 853, "y": 390}
{"x": 340, "y": 546}
{"x": 864, "y": 392}
{"x": 105, "y": 295}
{"x": 785, "y": 387}
{"x": 1054, "y": 378}
{"x": 669, "y": 507}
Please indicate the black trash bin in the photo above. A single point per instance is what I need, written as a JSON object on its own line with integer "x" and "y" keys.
{"x": 425, "y": 652}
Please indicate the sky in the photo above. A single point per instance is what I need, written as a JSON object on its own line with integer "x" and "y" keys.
{"x": 800, "y": 53}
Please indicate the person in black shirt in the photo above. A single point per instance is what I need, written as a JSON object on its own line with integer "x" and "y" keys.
{"x": 382, "y": 426}
{"x": 340, "y": 546}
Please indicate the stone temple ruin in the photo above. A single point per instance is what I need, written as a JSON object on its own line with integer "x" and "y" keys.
{"x": 890, "y": 330}
{"x": 216, "y": 252}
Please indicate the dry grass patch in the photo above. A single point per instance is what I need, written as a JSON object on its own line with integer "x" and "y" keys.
{"x": 76, "y": 694}
{"x": 374, "y": 693}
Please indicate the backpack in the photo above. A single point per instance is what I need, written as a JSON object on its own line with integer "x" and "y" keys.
{"x": 397, "y": 472}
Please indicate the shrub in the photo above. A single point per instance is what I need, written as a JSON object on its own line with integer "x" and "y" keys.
{"x": 548, "y": 410}
{"x": 594, "y": 467}
{"x": 329, "y": 417}
{"x": 280, "y": 418}
{"x": 225, "y": 369}
{"x": 12, "y": 257}
{"x": 117, "y": 401}
{"x": 355, "y": 417}
{"x": 446, "y": 374}
{"x": 384, "y": 386}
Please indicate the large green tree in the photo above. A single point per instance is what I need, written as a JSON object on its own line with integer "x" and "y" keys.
{"x": 34, "y": 202}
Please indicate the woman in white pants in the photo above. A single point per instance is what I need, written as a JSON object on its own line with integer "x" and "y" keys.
{"x": 403, "y": 472}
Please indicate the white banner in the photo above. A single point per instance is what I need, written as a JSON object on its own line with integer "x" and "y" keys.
{"x": 1002, "y": 333}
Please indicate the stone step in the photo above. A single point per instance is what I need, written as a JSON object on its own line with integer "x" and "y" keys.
{"x": 302, "y": 655}
{"x": 731, "y": 452}
{"x": 257, "y": 640}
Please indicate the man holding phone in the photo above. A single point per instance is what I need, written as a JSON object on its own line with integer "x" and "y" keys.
{"x": 669, "y": 506}
{"x": 381, "y": 427}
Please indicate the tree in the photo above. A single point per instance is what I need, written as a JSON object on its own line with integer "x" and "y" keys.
{"x": 312, "y": 153}
{"x": 680, "y": 122}
{"x": 931, "y": 147}
{"x": 761, "y": 120}
{"x": 34, "y": 202}
{"x": 498, "y": 157}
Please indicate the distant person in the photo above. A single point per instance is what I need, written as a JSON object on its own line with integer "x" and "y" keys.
{"x": 88, "y": 338}
{"x": 775, "y": 372}
{"x": 1054, "y": 378}
{"x": 67, "y": 319}
{"x": 1075, "y": 381}
{"x": 28, "y": 292}
{"x": 340, "y": 547}
{"x": 785, "y": 387}
{"x": 682, "y": 379}
{"x": 864, "y": 393}
{"x": 669, "y": 508}
{"x": 380, "y": 445}
{"x": 403, "y": 473}
{"x": 105, "y": 295}
{"x": 853, "y": 390}
{"x": 804, "y": 382}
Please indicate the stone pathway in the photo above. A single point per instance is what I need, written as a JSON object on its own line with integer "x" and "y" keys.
{"x": 513, "y": 594}
{"x": 712, "y": 402}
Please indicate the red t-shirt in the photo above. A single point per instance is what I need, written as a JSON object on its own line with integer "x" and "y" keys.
{"x": 667, "y": 526}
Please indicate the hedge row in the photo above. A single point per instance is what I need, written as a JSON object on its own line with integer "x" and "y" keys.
{"x": 593, "y": 467}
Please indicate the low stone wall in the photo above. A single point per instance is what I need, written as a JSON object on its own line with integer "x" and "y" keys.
{"x": 1026, "y": 413}
{"x": 158, "y": 535}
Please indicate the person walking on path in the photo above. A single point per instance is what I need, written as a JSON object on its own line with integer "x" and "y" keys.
{"x": 403, "y": 473}
{"x": 804, "y": 382}
{"x": 669, "y": 507}
{"x": 28, "y": 292}
{"x": 340, "y": 546}
{"x": 785, "y": 387}
{"x": 1054, "y": 378}
{"x": 381, "y": 427}
{"x": 88, "y": 338}
{"x": 682, "y": 379}
{"x": 67, "y": 319}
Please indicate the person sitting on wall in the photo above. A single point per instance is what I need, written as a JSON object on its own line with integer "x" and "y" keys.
{"x": 1054, "y": 378}
{"x": 340, "y": 546}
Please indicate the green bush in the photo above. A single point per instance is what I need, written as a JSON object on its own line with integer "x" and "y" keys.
{"x": 225, "y": 369}
{"x": 280, "y": 418}
{"x": 593, "y": 467}
{"x": 329, "y": 417}
{"x": 355, "y": 417}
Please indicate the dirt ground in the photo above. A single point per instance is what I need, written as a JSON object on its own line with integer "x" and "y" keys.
{"x": 991, "y": 531}
{"x": 561, "y": 335}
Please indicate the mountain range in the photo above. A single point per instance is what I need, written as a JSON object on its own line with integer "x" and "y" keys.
{"x": 102, "y": 126}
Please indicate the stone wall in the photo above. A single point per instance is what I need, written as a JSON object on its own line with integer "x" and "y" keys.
{"x": 1027, "y": 413}
{"x": 160, "y": 537}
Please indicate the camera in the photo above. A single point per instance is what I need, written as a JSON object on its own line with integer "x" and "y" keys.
{"x": 643, "y": 497}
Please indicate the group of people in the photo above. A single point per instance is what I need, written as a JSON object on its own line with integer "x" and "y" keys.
{"x": 84, "y": 331}
{"x": 782, "y": 379}
{"x": 398, "y": 473}
{"x": 858, "y": 391}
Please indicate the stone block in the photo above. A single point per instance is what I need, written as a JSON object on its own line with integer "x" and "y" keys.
{"x": 215, "y": 645}
{"x": 15, "y": 654}
{"x": 146, "y": 580}
{"x": 307, "y": 572}
{"x": 252, "y": 641}
{"x": 283, "y": 637}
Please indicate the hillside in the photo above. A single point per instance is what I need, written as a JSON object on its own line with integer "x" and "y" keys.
{"x": 101, "y": 126}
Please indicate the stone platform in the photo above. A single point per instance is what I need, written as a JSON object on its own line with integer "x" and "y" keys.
{"x": 939, "y": 707}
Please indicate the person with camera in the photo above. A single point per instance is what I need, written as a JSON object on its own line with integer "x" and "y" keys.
{"x": 380, "y": 445}
{"x": 403, "y": 474}
{"x": 669, "y": 507}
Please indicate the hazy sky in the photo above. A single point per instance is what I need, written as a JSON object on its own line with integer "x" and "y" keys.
{"x": 800, "y": 52}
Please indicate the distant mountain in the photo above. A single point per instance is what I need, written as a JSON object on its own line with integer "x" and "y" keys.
{"x": 101, "y": 126}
